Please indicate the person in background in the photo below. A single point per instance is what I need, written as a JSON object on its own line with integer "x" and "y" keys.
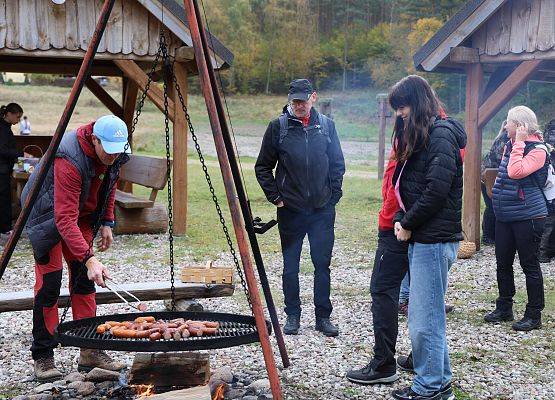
{"x": 10, "y": 114}
{"x": 390, "y": 265}
{"x": 25, "y": 126}
{"x": 428, "y": 184}
{"x": 303, "y": 147}
{"x": 491, "y": 160}
{"x": 547, "y": 244}
{"x": 520, "y": 210}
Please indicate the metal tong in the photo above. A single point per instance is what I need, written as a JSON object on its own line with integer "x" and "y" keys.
{"x": 116, "y": 287}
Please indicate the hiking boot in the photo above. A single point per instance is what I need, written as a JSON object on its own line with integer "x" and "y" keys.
{"x": 92, "y": 358}
{"x": 46, "y": 371}
{"x": 325, "y": 326}
{"x": 527, "y": 324}
{"x": 292, "y": 325}
{"x": 368, "y": 375}
{"x": 447, "y": 392}
{"x": 408, "y": 394}
{"x": 405, "y": 363}
{"x": 498, "y": 315}
{"x": 404, "y": 308}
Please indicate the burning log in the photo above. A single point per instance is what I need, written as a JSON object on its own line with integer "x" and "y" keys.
{"x": 167, "y": 370}
{"x": 195, "y": 393}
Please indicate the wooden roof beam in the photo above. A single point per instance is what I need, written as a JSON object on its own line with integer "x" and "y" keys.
{"x": 506, "y": 90}
{"x": 464, "y": 55}
{"x": 104, "y": 97}
{"x": 137, "y": 75}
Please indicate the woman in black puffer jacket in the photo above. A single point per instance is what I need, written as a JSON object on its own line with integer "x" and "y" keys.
{"x": 428, "y": 185}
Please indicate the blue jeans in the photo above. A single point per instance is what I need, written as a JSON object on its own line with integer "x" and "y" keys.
{"x": 429, "y": 265}
{"x": 318, "y": 225}
{"x": 405, "y": 289}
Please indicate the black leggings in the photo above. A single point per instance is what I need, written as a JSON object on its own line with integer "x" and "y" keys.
{"x": 5, "y": 203}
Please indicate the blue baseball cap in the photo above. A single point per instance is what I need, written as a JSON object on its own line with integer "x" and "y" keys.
{"x": 112, "y": 133}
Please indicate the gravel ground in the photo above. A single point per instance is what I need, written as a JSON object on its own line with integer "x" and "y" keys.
{"x": 489, "y": 361}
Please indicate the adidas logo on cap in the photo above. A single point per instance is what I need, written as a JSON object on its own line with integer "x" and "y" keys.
{"x": 119, "y": 134}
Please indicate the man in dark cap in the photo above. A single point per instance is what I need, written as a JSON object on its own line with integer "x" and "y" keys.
{"x": 305, "y": 188}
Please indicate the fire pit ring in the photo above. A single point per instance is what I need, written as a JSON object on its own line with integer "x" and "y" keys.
{"x": 234, "y": 330}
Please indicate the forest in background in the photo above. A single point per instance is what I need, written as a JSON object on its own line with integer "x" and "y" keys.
{"x": 341, "y": 45}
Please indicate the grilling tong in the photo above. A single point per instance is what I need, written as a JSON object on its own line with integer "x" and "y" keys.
{"x": 117, "y": 288}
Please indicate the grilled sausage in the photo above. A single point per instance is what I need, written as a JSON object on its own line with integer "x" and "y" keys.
{"x": 155, "y": 336}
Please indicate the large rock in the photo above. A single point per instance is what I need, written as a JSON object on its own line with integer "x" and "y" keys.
{"x": 101, "y": 375}
{"x": 221, "y": 376}
{"x": 259, "y": 386}
{"x": 184, "y": 305}
{"x": 45, "y": 387}
{"x": 82, "y": 388}
{"x": 75, "y": 377}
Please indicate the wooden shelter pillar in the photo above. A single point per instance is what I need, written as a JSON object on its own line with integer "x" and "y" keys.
{"x": 129, "y": 96}
{"x": 473, "y": 154}
{"x": 180, "y": 129}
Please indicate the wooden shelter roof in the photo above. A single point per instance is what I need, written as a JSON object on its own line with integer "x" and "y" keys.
{"x": 39, "y": 32}
{"x": 492, "y": 32}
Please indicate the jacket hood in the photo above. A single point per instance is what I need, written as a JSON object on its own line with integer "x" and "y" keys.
{"x": 455, "y": 127}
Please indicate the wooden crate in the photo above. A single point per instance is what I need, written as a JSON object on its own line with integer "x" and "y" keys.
{"x": 207, "y": 274}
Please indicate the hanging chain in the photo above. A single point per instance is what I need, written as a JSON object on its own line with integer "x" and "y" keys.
{"x": 167, "y": 72}
{"x": 210, "y": 185}
{"x": 116, "y": 166}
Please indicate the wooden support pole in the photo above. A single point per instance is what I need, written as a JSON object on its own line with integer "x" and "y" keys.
{"x": 137, "y": 75}
{"x": 180, "y": 130}
{"x": 104, "y": 97}
{"x": 506, "y": 90}
{"x": 129, "y": 96}
{"x": 473, "y": 155}
{"x": 234, "y": 206}
{"x": 382, "y": 115}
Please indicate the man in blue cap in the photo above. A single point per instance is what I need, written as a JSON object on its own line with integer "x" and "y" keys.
{"x": 78, "y": 192}
{"x": 305, "y": 189}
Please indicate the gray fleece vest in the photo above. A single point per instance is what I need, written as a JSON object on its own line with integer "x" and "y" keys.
{"x": 41, "y": 227}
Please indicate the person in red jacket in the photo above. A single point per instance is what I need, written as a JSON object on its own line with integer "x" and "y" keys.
{"x": 77, "y": 194}
{"x": 390, "y": 266}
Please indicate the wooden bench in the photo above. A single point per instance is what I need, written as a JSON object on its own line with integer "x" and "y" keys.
{"x": 19, "y": 301}
{"x": 136, "y": 214}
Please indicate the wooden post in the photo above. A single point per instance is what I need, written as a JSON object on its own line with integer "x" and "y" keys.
{"x": 195, "y": 25}
{"x": 473, "y": 155}
{"x": 382, "y": 115}
{"x": 129, "y": 96}
{"x": 325, "y": 107}
{"x": 179, "y": 153}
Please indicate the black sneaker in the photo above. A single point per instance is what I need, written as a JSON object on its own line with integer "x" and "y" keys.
{"x": 527, "y": 324}
{"x": 447, "y": 392}
{"x": 405, "y": 363}
{"x": 325, "y": 326}
{"x": 486, "y": 241}
{"x": 369, "y": 376}
{"x": 409, "y": 394}
{"x": 292, "y": 325}
{"x": 498, "y": 315}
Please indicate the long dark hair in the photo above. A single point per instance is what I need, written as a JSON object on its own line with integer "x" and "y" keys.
{"x": 11, "y": 107}
{"x": 415, "y": 92}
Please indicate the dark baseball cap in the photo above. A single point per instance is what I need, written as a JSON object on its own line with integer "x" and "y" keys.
{"x": 300, "y": 89}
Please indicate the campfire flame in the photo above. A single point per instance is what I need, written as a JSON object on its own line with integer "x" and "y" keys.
{"x": 219, "y": 393}
{"x": 143, "y": 390}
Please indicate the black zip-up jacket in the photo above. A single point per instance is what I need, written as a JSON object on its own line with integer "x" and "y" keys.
{"x": 8, "y": 151}
{"x": 310, "y": 165}
{"x": 431, "y": 186}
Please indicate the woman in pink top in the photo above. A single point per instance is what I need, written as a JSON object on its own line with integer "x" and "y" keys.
{"x": 520, "y": 209}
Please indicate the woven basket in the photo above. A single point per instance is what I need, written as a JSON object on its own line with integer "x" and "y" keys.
{"x": 466, "y": 249}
